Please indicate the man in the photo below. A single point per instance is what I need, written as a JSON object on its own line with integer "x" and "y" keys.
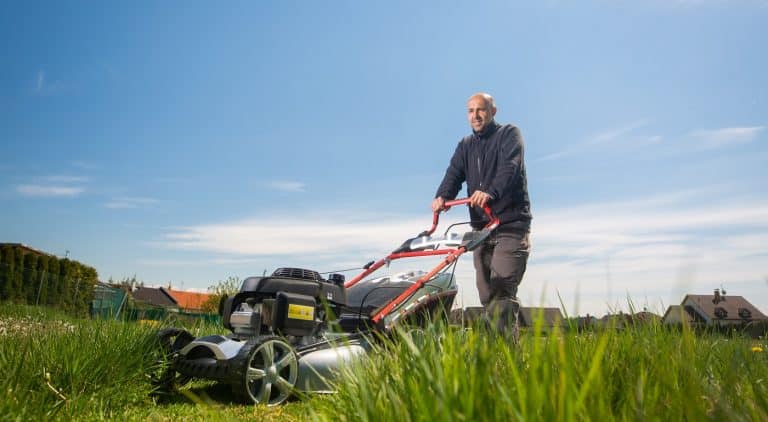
{"x": 490, "y": 160}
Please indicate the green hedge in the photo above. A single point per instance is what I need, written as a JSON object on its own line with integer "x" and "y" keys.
{"x": 27, "y": 277}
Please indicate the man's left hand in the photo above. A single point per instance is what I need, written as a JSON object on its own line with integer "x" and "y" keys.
{"x": 479, "y": 199}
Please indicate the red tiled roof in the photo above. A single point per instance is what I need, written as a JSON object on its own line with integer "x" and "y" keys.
{"x": 191, "y": 301}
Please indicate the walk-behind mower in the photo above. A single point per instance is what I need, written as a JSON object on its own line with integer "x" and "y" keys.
{"x": 293, "y": 330}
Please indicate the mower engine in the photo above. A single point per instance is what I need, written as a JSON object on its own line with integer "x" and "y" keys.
{"x": 291, "y": 302}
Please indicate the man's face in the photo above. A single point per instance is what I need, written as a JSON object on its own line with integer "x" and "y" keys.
{"x": 479, "y": 113}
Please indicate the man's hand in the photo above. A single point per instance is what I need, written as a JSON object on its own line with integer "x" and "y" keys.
{"x": 438, "y": 204}
{"x": 479, "y": 199}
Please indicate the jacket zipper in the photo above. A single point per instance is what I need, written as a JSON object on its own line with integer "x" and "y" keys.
{"x": 480, "y": 171}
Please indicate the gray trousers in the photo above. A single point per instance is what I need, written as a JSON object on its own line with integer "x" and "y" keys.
{"x": 500, "y": 263}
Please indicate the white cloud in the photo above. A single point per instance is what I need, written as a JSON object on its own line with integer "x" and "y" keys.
{"x": 130, "y": 202}
{"x": 596, "y": 255}
{"x": 717, "y": 138}
{"x": 286, "y": 186}
{"x": 49, "y": 190}
{"x": 64, "y": 179}
{"x": 40, "y": 81}
{"x": 654, "y": 249}
{"x": 308, "y": 234}
{"x": 53, "y": 186}
{"x": 619, "y": 135}
{"x": 614, "y": 134}
{"x": 45, "y": 87}
{"x": 85, "y": 165}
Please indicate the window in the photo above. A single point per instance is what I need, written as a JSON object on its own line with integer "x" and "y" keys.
{"x": 720, "y": 312}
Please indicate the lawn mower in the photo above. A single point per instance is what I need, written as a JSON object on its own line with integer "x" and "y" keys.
{"x": 294, "y": 329}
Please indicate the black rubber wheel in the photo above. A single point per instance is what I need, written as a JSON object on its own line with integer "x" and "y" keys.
{"x": 270, "y": 373}
{"x": 162, "y": 374}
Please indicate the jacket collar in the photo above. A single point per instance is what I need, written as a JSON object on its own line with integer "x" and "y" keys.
{"x": 490, "y": 130}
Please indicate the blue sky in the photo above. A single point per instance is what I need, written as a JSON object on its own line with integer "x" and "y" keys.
{"x": 186, "y": 143}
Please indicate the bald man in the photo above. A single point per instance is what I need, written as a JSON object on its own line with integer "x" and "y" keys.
{"x": 490, "y": 161}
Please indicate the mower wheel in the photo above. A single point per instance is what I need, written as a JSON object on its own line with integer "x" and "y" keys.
{"x": 270, "y": 373}
{"x": 162, "y": 374}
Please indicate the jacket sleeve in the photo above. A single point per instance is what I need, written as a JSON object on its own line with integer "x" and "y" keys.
{"x": 510, "y": 161}
{"x": 455, "y": 175}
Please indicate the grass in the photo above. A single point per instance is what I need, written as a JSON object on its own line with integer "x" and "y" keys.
{"x": 55, "y": 367}
{"x": 640, "y": 373}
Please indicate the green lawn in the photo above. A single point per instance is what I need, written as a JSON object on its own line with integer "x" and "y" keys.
{"x": 55, "y": 367}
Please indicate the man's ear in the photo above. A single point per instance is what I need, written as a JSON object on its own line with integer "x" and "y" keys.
{"x": 493, "y": 112}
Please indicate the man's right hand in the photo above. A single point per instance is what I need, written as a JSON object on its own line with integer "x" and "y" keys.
{"x": 438, "y": 204}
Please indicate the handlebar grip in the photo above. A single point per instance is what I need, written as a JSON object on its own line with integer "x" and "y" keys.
{"x": 493, "y": 220}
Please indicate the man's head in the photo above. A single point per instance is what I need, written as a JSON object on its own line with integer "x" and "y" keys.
{"x": 481, "y": 108}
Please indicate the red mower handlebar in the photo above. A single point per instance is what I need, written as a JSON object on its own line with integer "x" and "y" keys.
{"x": 492, "y": 219}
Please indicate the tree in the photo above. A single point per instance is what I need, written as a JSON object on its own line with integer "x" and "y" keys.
{"x": 41, "y": 289}
{"x": 30, "y": 279}
{"x": 6, "y": 271}
{"x": 222, "y": 289}
{"x": 53, "y": 283}
{"x": 17, "y": 278}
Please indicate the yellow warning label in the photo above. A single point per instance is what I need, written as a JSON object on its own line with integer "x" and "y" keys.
{"x": 306, "y": 313}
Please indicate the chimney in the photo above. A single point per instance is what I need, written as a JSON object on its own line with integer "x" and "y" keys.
{"x": 717, "y": 299}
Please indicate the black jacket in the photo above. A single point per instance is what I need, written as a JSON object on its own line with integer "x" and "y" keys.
{"x": 493, "y": 163}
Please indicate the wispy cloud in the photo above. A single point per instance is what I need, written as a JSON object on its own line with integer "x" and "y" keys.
{"x": 614, "y": 134}
{"x": 717, "y": 138}
{"x": 53, "y": 186}
{"x": 85, "y": 165}
{"x": 286, "y": 186}
{"x": 130, "y": 202}
{"x": 622, "y": 134}
{"x": 64, "y": 179}
{"x": 306, "y": 234}
{"x": 49, "y": 190}
{"x": 44, "y": 87}
{"x": 40, "y": 81}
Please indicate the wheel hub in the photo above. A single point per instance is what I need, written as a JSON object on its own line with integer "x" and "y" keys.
{"x": 272, "y": 373}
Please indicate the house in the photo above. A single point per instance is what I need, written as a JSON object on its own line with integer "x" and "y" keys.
{"x": 189, "y": 301}
{"x": 585, "y": 322}
{"x": 550, "y": 317}
{"x": 714, "y": 310}
{"x": 467, "y": 315}
{"x": 154, "y": 296}
{"x": 645, "y": 317}
{"x": 676, "y": 315}
{"x": 527, "y": 317}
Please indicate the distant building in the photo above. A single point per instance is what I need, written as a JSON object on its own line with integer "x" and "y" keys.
{"x": 154, "y": 296}
{"x": 584, "y": 322}
{"x": 551, "y": 317}
{"x": 676, "y": 315}
{"x": 644, "y": 317}
{"x": 714, "y": 310}
{"x": 467, "y": 315}
{"x": 189, "y": 301}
